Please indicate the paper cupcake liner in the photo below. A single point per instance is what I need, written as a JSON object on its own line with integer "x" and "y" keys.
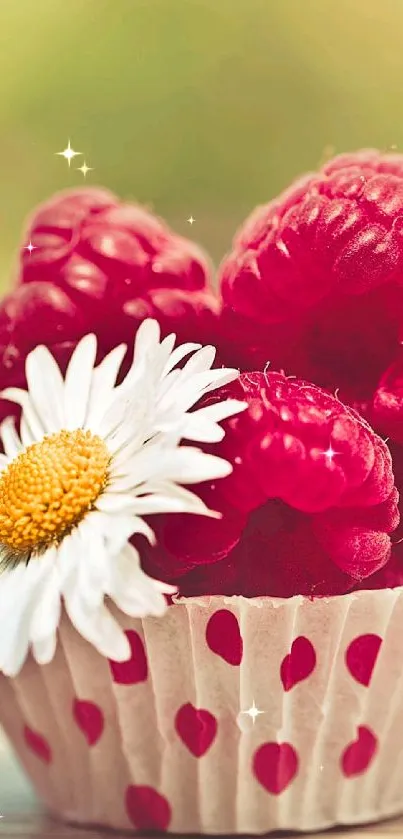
{"x": 163, "y": 741}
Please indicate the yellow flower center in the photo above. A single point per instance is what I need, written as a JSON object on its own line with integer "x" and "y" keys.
{"x": 47, "y": 490}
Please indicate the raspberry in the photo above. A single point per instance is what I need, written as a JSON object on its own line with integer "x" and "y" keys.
{"x": 100, "y": 266}
{"x": 308, "y": 506}
{"x": 314, "y": 283}
{"x": 323, "y": 270}
{"x": 90, "y": 244}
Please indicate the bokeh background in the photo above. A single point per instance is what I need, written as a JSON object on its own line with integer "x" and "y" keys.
{"x": 197, "y": 108}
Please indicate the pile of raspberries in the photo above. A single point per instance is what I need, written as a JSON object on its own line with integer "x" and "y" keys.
{"x": 309, "y": 306}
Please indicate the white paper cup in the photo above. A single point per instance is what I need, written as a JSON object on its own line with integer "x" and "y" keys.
{"x": 164, "y": 742}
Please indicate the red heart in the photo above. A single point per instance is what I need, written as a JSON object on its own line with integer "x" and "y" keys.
{"x": 89, "y": 718}
{"x": 358, "y": 756}
{"x": 275, "y": 765}
{"x": 361, "y": 657}
{"x": 298, "y": 664}
{"x": 196, "y": 727}
{"x": 38, "y": 744}
{"x": 135, "y": 669}
{"x": 147, "y": 809}
{"x": 224, "y": 638}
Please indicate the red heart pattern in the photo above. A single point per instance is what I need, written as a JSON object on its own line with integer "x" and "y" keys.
{"x": 89, "y": 719}
{"x": 275, "y": 766}
{"x": 298, "y": 664}
{"x": 37, "y": 744}
{"x": 361, "y": 657}
{"x": 223, "y": 636}
{"x": 197, "y": 728}
{"x": 359, "y": 754}
{"x": 147, "y": 809}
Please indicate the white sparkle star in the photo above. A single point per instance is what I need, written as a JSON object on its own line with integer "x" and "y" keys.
{"x": 253, "y": 712}
{"x": 68, "y": 153}
{"x": 84, "y": 169}
{"x": 330, "y": 453}
{"x": 30, "y": 247}
{"x": 191, "y": 220}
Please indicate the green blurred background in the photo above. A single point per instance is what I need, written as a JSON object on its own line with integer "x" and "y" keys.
{"x": 195, "y": 107}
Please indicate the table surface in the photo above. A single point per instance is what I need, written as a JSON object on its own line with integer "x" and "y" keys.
{"x": 22, "y": 816}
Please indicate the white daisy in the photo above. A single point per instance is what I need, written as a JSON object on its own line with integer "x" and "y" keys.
{"x": 91, "y": 460}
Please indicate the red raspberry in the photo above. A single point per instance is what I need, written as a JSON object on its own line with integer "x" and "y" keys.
{"x": 314, "y": 283}
{"x": 308, "y": 506}
{"x": 100, "y": 266}
{"x": 91, "y": 244}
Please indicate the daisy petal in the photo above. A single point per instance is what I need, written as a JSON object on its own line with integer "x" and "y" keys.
{"x": 93, "y": 566}
{"x": 146, "y": 346}
{"x": 45, "y": 649}
{"x": 188, "y": 391}
{"x": 147, "y": 338}
{"x": 201, "y": 426}
{"x": 172, "y": 490}
{"x": 165, "y": 588}
{"x": 27, "y": 437}
{"x": 119, "y": 528}
{"x": 220, "y": 410}
{"x": 103, "y": 381}
{"x": 21, "y": 397}
{"x": 167, "y": 345}
{"x": 199, "y": 467}
{"x": 78, "y": 382}
{"x": 98, "y": 627}
{"x": 15, "y": 394}
{"x": 200, "y": 362}
{"x": 183, "y": 465}
{"x": 164, "y": 353}
{"x": 177, "y": 355}
{"x": 4, "y": 461}
{"x": 132, "y": 590}
{"x": 11, "y": 441}
{"x": 68, "y": 561}
{"x": 46, "y": 616}
{"x": 128, "y": 416}
{"x": 154, "y": 503}
{"x": 114, "y": 503}
{"x": 23, "y": 586}
{"x": 200, "y": 430}
{"x": 46, "y": 387}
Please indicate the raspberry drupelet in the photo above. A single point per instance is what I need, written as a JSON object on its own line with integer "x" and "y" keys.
{"x": 101, "y": 266}
{"x": 314, "y": 282}
{"x": 308, "y": 508}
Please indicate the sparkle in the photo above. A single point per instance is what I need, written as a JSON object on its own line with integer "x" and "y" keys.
{"x": 68, "y": 153}
{"x": 191, "y": 220}
{"x": 84, "y": 169}
{"x": 30, "y": 247}
{"x": 330, "y": 453}
{"x": 253, "y": 712}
